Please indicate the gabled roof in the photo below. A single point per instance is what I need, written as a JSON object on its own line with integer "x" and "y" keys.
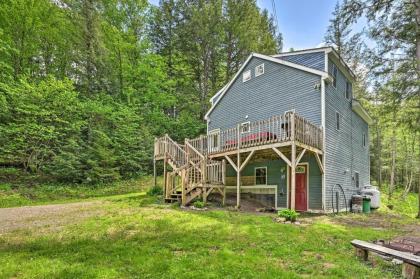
{"x": 223, "y": 91}
{"x": 326, "y": 49}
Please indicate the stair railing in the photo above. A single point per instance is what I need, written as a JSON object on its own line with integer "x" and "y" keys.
{"x": 175, "y": 152}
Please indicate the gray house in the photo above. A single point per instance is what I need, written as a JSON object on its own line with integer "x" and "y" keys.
{"x": 285, "y": 130}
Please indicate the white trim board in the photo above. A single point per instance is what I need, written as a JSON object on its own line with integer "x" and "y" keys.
{"x": 267, "y": 58}
{"x": 302, "y": 51}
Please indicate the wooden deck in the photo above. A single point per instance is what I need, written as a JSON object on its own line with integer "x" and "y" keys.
{"x": 280, "y": 130}
{"x": 201, "y": 161}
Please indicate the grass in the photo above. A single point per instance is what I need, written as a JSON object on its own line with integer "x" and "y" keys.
{"x": 21, "y": 195}
{"x": 136, "y": 236}
{"x": 408, "y": 206}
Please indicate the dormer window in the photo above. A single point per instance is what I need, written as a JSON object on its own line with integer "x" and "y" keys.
{"x": 246, "y": 76}
{"x": 334, "y": 74}
{"x": 349, "y": 90}
{"x": 259, "y": 70}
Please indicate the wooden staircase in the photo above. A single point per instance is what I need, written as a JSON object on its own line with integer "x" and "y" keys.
{"x": 193, "y": 175}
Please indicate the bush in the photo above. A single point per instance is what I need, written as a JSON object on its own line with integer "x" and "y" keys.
{"x": 155, "y": 191}
{"x": 198, "y": 204}
{"x": 289, "y": 214}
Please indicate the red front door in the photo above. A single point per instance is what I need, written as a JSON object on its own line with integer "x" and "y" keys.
{"x": 301, "y": 198}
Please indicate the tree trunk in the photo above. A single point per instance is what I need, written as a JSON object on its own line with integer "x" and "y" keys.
{"x": 417, "y": 5}
{"x": 393, "y": 154}
{"x": 379, "y": 154}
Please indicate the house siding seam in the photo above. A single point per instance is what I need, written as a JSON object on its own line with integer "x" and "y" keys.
{"x": 279, "y": 89}
{"x": 313, "y": 60}
{"x": 344, "y": 151}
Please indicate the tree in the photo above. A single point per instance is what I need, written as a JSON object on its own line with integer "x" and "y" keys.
{"x": 395, "y": 61}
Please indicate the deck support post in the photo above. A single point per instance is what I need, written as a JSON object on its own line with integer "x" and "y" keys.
{"x": 154, "y": 172}
{"x": 238, "y": 181}
{"x": 238, "y": 169}
{"x": 165, "y": 180}
{"x": 293, "y": 167}
{"x": 293, "y": 178}
{"x": 204, "y": 179}
{"x": 224, "y": 181}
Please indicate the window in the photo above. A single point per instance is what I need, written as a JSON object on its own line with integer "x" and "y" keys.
{"x": 334, "y": 73}
{"x": 337, "y": 120}
{"x": 245, "y": 127}
{"x": 259, "y": 70}
{"x": 356, "y": 179}
{"x": 214, "y": 140}
{"x": 261, "y": 176}
{"x": 349, "y": 90}
{"x": 364, "y": 139}
{"x": 246, "y": 76}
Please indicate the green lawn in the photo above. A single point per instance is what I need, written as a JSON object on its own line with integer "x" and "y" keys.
{"x": 20, "y": 194}
{"x": 135, "y": 236}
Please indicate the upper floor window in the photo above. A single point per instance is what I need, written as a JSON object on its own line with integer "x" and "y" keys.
{"x": 334, "y": 74}
{"x": 245, "y": 127}
{"x": 259, "y": 70}
{"x": 246, "y": 76}
{"x": 337, "y": 120}
{"x": 349, "y": 90}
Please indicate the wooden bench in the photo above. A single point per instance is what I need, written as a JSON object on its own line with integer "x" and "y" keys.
{"x": 411, "y": 263}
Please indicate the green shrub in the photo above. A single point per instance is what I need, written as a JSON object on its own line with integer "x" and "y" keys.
{"x": 289, "y": 214}
{"x": 155, "y": 191}
{"x": 198, "y": 204}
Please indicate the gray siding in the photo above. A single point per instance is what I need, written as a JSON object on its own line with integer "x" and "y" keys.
{"x": 277, "y": 175}
{"x": 315, "y": 60}
{"x": 279, "y": 89}
{"x": 344, "y": 151}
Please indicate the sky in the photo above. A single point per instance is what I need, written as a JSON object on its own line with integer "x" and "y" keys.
{"x": 303, "y": 23}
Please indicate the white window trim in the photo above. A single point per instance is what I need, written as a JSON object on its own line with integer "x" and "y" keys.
{"x": 339, "y": 121}
{"x": 255, "y": 175}
{"x": 256, "y": 70}
{"x": 249, "y": 127}
{"x": 246, "y": 73}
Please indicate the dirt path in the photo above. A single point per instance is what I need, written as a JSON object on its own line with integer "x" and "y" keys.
{"x": 46, "y": 216}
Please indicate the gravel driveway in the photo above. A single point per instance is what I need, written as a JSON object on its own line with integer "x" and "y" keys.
{"x": 46, "y": 216}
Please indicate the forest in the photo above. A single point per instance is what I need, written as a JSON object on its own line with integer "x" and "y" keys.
{"x": 86, "y": 85}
